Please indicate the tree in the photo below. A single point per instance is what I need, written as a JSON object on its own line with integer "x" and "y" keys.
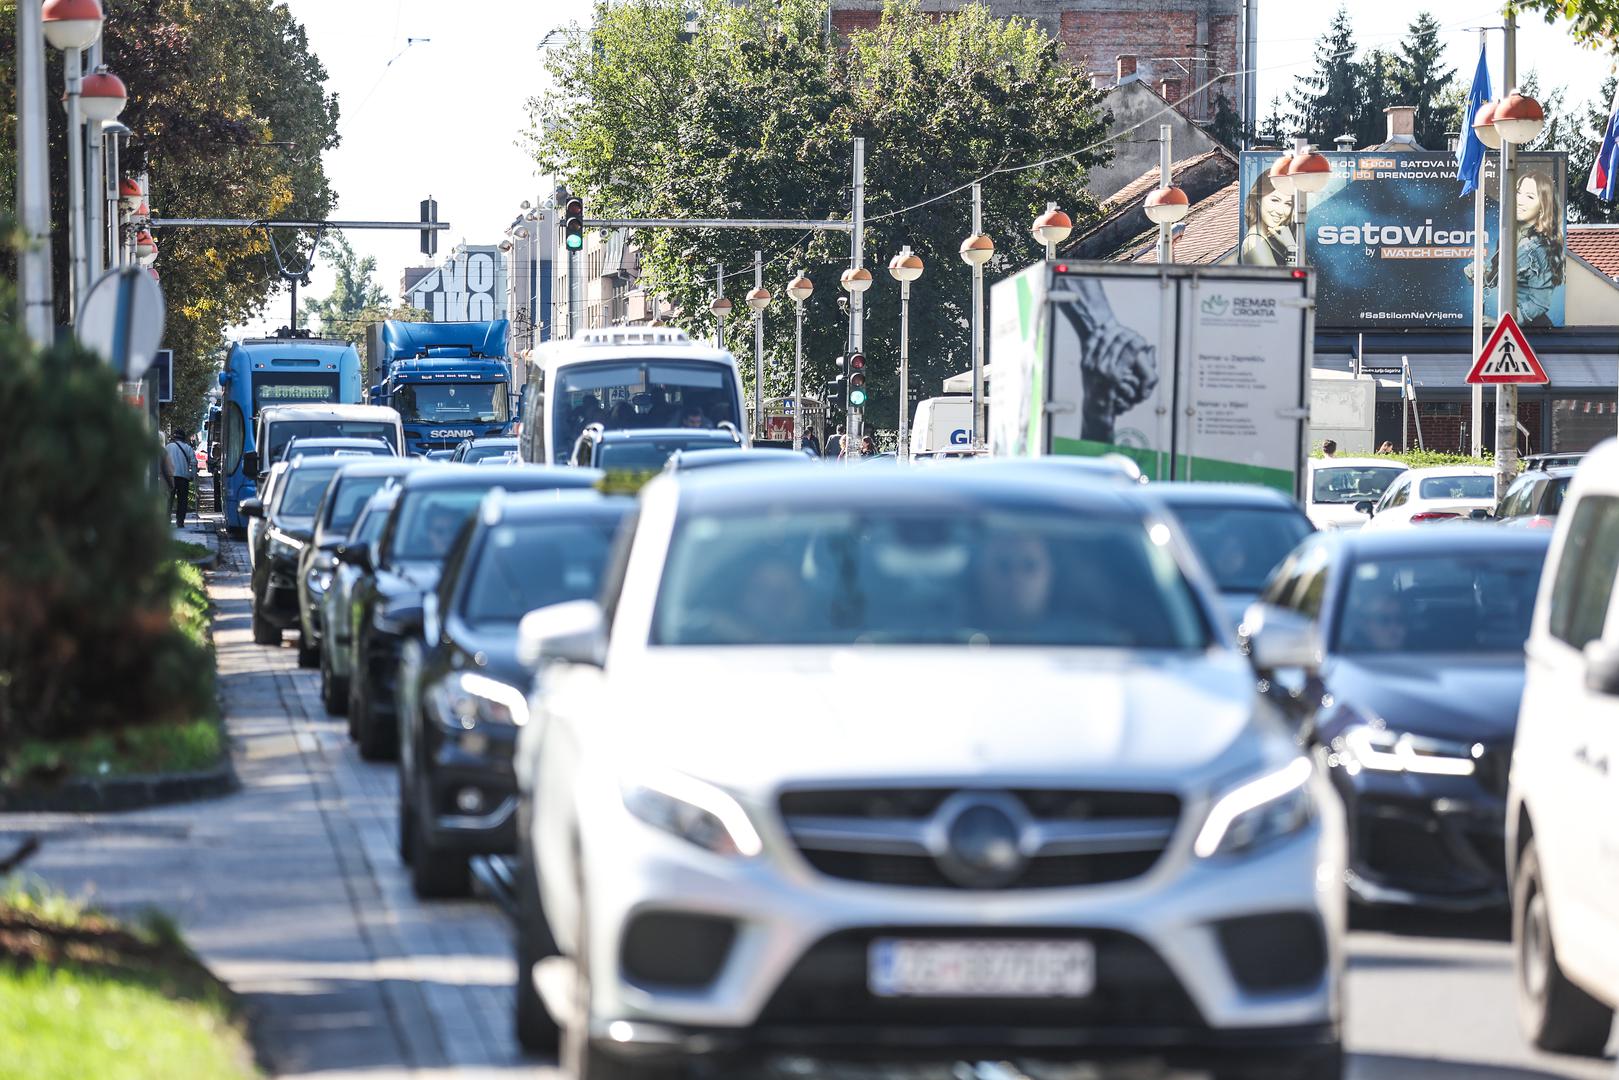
{"x": 1423, "y": 78}
{"x": 230, "y": 119}
{"x": 1328, "y": 100}
{"x": 1593, "y": 121}
{"x": 353, "y": 294}
{"x": 1227, "y": 127}
{"x": 1594, "y": 23}
{"x": 1375, "y": 75}
{"x": 754, "y": 115}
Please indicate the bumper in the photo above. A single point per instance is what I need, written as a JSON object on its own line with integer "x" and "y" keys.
{"x": 787, "y": 963}
{"x": 456, "y": 766}
{"x": 1425, "y": 841}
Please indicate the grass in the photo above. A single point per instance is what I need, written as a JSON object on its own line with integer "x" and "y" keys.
{"x": 187, "y": 552}
{"x": 84, "y": 996}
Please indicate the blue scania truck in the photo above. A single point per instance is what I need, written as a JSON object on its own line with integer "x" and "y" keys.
{"x": 447, "y": 380}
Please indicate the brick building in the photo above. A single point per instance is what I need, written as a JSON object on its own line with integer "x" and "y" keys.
{"x": 1175, "y": 46}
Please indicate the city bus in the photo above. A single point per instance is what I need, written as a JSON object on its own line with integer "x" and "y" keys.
{"x": 624, "y": 377}
{"x": 283, "y": 370}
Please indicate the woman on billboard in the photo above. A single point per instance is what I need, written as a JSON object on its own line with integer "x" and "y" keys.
{"x": 1269, "y": 217}
{"x": 1540, "y": 250}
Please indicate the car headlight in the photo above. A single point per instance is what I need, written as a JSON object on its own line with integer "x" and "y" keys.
{"x": 285, "y": 545}
{"x": 1258, "y": 811}
{"x": 1374, "y": 746}
{"x": 318, "y": 580}
{"x": 694, "y": 811}
{"x": 466, "y": 700}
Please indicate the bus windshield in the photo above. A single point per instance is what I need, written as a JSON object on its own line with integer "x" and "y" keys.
{"x": 452, "y": 403}
{"x": 639, "y": 394}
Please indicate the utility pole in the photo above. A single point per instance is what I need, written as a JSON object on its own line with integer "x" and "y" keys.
{"x": 1478, "y": 281}
{"x": 977, "y": 258}
{"x": 33, "y": 177}
{"x": 1506, "y": 395}
{"x": 95, "y": 187}
{"x": 719, "y": 319}
{"x": 856, "y": 249}
{"x": 77, "y": 279}
{"x": 758, "y": 347}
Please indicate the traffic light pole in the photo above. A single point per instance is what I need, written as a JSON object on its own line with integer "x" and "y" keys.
{"x": 856, "y": 297}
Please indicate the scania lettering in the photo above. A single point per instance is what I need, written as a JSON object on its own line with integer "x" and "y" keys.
{"x": 448, "y": 381}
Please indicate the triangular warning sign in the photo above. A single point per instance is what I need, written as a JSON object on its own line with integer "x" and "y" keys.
{"x": 1507, "y": 358}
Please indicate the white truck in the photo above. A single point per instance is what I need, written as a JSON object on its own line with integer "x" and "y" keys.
{"x": 1195, "y": 372}
{"x": 943, "y": 425}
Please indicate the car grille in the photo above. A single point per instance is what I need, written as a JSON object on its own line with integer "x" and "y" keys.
{"x": 906, "y": 836}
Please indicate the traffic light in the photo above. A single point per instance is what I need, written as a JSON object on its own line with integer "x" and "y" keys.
{"x": 429, "y": 217}
{"x": 573, "y": 224}
{"x": 857, "y": 380}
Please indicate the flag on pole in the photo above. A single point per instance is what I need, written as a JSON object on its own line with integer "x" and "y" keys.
{"x": 1604, "y": 183}
{"x": 1470, "y": 156}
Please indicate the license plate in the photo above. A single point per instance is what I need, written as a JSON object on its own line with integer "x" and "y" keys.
{"x": 1033, "y": 969}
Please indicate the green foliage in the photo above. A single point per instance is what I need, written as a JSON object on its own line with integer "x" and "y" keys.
{"x": 1326, "y": 101}
{"x": 1423, "y": 78}
{"x": 189, "y": 746}
{"x": 1227, "y": 127}
{"x": 339, "y": 314}
{"x": 1419, "y": 459}
{"x": 754, "y": 115}
{"x": 1594, "y": 23}
{"x": 89, "y": 638}
{"x": 1582, "y": 152}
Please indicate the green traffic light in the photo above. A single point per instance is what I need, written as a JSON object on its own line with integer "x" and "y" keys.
{"x": 857, "y": 397}
{"x": 575, "y": 241}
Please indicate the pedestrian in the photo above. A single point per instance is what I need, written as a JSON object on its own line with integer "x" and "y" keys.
{"x": 868, "y": 446}
{"x": 1386, "y": 448}
{"x": 834, "y": 444}
{"x": 179, "y": 469}
{"x": 1329, "y": 449}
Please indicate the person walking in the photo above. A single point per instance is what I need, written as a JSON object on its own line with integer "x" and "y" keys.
{"x": 179, "y": 469}
{"x": 834, "y": 444}
{"x": 1329, "y": 449}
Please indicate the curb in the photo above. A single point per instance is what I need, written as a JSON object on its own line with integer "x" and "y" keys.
{"x": 120, "y": 793}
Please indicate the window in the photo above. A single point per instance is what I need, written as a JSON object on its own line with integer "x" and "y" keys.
{"x": 1451, "y": 603}
{"x": 235, "y": 431}
{"x": 349, "y": 498}
{"x": 1519, "y": 499}
{"x": 1351, "y": 483}
{"x": 301, "y": 490}
{"x": 1458, "y": 487}
{"x": 1240, "y": 545}
{"x": 534, "y": 565}
{"x": 1579, "y": 603}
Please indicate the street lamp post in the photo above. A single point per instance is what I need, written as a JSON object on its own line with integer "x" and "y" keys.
{"x": 33, "y": 179}
{"x": 758, "y": 300}
{"x": 1307, "y": 174}
{"x": 101, "y": 98}
{"x": 977, "y": 250}
{"x": 720, "y": 306}
{"x": 1484, "y": 128}
{"x": 905, "y": 268}
{"x": 71, "y": 26}
{"x": 1166, "y": 204}
{"x": 1052, "y": 228}
{"x": 799, "y": 290}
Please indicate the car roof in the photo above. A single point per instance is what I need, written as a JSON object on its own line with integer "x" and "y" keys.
{"x": 1550, "y": 472}
{"x": 380, "y": 466}
{"x": 338, "y": 441}
{"x": 1190, "y": 493}
{"x": 511, "y": 477}
{"x": 485, "y": 440}
{"x": 731, "y": 455}
{"x": 1356, "y": 462}
{"x": 624, "y": 434}
{"x": 1463, "y": 537}
{"x": 503, "y": 507}
{"x": 329, "y": 412}
{"x": 1453, "y": 470}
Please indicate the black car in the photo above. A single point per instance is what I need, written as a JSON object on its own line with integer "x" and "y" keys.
{"x": 462, "y": 692}
{"x": 1241, "y": 532}
{"x": 387, "y": 602}
{"x": 355, "y": 482}
{"x": 1535, "y": 497}
{"x": 1413, "y": 708}
{"x": 472, "y": 451}
{"x": 645, "y": 450}
{"x": 289, "y": 521}
{"x": 336, "y": 609}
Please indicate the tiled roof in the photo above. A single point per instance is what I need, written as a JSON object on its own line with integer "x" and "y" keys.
{"x": 1138, "y": 188}
{"x": 1209, "y": 235}
{"x": 1597, "y": 245}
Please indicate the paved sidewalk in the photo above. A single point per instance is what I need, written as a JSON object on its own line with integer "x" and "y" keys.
{"x": 292, "y": 892}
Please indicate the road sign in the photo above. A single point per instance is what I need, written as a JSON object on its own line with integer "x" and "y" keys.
{"x": 121, "y": 320}
{"x": 163, "y": 371}
{"x": 1507, "y": 358}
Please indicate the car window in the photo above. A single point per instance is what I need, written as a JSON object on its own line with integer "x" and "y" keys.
{"x": 1579, "y": 600}
{"x": 1445, "y": 602}
{"x": 301, "y": 491}
{"x": 429, "y": 522}
{"x": 1350, "y": 484}
{"x": 1457, "y": 487}
{"x": 1241, "y": 545}
{"x": 1551, "y": 502}
{"x": 521, "y": 567}
{"x": 1395, "y": 495}
{"x": 348, "y": 497}
{"x": 1518, "y": 499}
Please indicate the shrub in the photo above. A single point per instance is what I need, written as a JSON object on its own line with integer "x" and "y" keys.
{"x": 89, "y": 633}
{"x": 1421, "y": 459}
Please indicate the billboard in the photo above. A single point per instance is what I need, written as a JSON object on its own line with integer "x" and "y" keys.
{"x": 468, "y": 286}
{"x": 1391, "y": 238}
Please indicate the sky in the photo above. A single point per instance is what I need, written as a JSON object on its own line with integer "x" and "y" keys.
{"x": 443, "y": 116}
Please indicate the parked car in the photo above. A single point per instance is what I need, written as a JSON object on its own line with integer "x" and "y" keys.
{"x": 1563, "y": 803}
{"x": 1412, "y": 706}
{"x": 434, "y": 503}
{"x": 256, "y": 521}
{"x": 437, "y": 455}
{"x": 336, "y": 601}
{"x": 472, "y": 451}
{"x": 462, "y": 693}
{"x": 351, "y": 487}
{"x": 1112, "y": 468}
{"x": 1552, "y": 460}
{"x": 708, "y": 458}
{"x": 289, "y": 522}
{"x": 1426, "y": 496}
{"x": 1336, "y": 487}
{"x": 644, "y": 450}
{"x": 1535, "y": 497}
{"x": 1241, "y": 532}
{"x": 337, "y": 446}
{"x": 747, "y": 749}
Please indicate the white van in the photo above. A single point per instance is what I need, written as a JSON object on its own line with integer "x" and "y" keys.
{"x": 1563, "y": 797}
{"x": 280, "y": 424}
{"x": 942, "y": 425}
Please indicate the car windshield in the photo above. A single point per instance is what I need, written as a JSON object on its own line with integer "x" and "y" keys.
{"x": 367, "y": 529}
{"x": 643, "y": 455}
{"x": 492, "y": 448}
{"x": 430, "y": 520}
{"x": 452, "y": 403}
{"x": 933, "y": 576}
{"x": 302, "y": 488}
{"x": 527, "y": 566}
{"x": 651, "y": 394}
{"x": 1241, "y": 545}
{"x": 1457, "y": 487}
{"x": 348, "y": 498}
{"x": 1440, "y": 603}
{"x": 284, "y": 431}
{"x": 1352, "y": 483}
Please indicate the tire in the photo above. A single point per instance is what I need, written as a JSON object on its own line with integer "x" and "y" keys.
{"x": 308, "y": 655}
{"x": 334, "y": 693}
{"x": 1325, "y": 1063}
{"x": 264, "y": 631}
{"x": 434, "y": 874}
{"x": 536, "y": 1030}
{"x": 375, "y": 738}
{"x": 581, "y": 1058}
{"x": 1555, "y": 1014}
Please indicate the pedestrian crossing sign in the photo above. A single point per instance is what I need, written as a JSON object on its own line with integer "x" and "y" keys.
{"x": 1507, "y": 358}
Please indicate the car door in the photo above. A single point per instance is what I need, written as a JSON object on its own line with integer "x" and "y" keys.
{"x": 1389, "y": 511}
{"x": 1574, "y": 747}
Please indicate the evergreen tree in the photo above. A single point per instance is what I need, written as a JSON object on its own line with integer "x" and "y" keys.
{"x": 1227, "y": 127}
{"x": 1327, "y": 101}
{"x": 1377, "y": 76}
{"x": 1585, "y": 137}
{"x": 1273, "y": 129}
{"x": 1422, "y": 78}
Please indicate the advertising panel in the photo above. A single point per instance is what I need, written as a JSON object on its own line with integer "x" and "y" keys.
{"x": 1391, "y": 238}
{"x": 468, "y": 286}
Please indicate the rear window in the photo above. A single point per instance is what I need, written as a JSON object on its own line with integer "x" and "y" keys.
{"x": 301, "y": 491}
{"x": 1241, "y": 545}
{"x": 430, "y": 520}
{"x": 528, "y": 566}
{"x": 1457, "y": 487}
{"x": 1352, "y": 483}
{"x": 349, "y": 498}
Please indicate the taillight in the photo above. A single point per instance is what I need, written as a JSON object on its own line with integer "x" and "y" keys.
{"x": 1432, "y": 515}
{"x": 1539, "y": 522}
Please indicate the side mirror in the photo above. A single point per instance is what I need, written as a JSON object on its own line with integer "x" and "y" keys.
{"x": 358, "y": 557}
{"x": 1278, "y": 639}
{"x": 403, "y": 620}
{"x": 1365, "y": 506}
{"x": 253, "y": 508}
{"x": 250, "y": 463}
{"x": 1602, "y": 668}
{"x": 575, "y": 631}
{"x": 1481, "y": 513}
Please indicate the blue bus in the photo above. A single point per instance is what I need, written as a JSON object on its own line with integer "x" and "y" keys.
{"x": 274, "y": 371}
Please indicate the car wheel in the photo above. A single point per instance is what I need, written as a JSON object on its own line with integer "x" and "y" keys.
{"x": 357, "y": 709}
{"x": 308, "y": 655}
{"x": 406, "y": 838}
{"x": 581, "y": 1058}
{"x": 435, "y": 874}
{"x": 334, "y": 694}
{"x": 264, "y": 631}
{"x": 537, "y": 1032}
{"x": 1555, "y": 1014}
{"x": 375, "y": 739}
{"x": 1322, "y": 1063}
